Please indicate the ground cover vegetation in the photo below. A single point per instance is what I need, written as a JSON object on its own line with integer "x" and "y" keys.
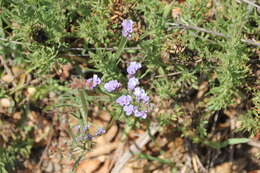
{"x": 185, "y": 72}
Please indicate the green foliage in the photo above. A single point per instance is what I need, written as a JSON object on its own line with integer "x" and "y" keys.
{"x": 163, "y": 88}
{"x": 95, "y": 26}
{"x": 250, "y": 121}
{"x": 225, "y": 58}
{"x": 42, "y": 36}
{"x": 45, "y": 20}
{"x": 13, "y": 153}
{"x": 152, "y": 158}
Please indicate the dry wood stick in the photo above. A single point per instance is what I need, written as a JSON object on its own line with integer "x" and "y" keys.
{"x": 254, "y": 143}
{"x": 11, "y": 41}
{"x": 135, "y": 148}
{"x": 189, "y": 27}
{"x": 250, "y": 3}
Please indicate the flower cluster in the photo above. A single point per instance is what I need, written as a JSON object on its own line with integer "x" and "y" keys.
{"x": 137, "y": 100}
{"x": 83, "y": 133}
{"x": 127, "y": 28}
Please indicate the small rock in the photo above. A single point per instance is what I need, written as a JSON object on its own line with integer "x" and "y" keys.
{"x": 8, "y": 78}
{"x": 5, "y": 102}
{"x": 31, "y": 91}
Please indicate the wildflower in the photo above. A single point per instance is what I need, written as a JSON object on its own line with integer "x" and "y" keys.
{"x": 140, "y": 114}
{"x": 132, "y": 83}
{"x": 127, "y": 28}
{"x": 84, "y": 129}
{"x": 100, "y": 131}
{"x": 88, "y": 137}
{"x": 141, "y": 95}
{"x": 124, "y": 100}
{"x": 139, "y": 92}
{"x": 129, "y": 109}
{"x": 93, "y": 82}
{"x": 145, "y": 99}
{"x": 133, "y": 67}
{"x": 112, "y": 85}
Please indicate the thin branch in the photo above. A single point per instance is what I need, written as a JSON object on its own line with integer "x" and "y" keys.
{"x": 104, "y": 48}
{"x": 11, "y": 41}
{"x": 189, "y": 27}
{"x": 255, "y": 43}
{"x": 45, "y": 151}
{"x": 79, "y": 48}
{"x": 254, "y": 143}
{"x": 250, "y": 3}
{"x": 169, "y": 74}
{"x": 79, "y": 55}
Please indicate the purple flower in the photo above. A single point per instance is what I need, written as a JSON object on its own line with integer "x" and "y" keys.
{"x": 129, "y": 109}
{"x": 88, "y": 137}
{"x": 140, "y": 114}
{"x": 139, "y": 92}
{"x": 84, "y": 128}
{"x": 145, "y": 99}
{"x": 132, "y": 83}
{"x": 124, "y": 100}
{"x": 112, "y": 85}
{"x": 127, "y": 28}
{"x": 133, "y": 67}
{"x": 93, "y": 82}
{"x": 141, "y": 95}
{"x": 100, "y": 131}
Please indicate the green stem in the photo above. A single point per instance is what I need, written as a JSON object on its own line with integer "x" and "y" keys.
{"x": 84, "y": 105}
{"x": 120, "y": 48}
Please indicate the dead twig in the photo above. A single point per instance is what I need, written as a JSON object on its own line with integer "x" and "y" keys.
{"x": 103, "y": 48}
{"x": 189, "y": 27}
{"x": 194, "y": 163}
{"x": 187, "y": 164}
{"x": 11, "y": 41}
{"x": 200, "y": 164}
{"x": 44, "y": 153}
{"x": 250, "y": 3}
{"x": 231, "y": 147}
{"x": 254, "y": 143}
{"x": 135, "y": 148}
{"x": 169, "y": 74}
{"x": 77, "y": 48}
